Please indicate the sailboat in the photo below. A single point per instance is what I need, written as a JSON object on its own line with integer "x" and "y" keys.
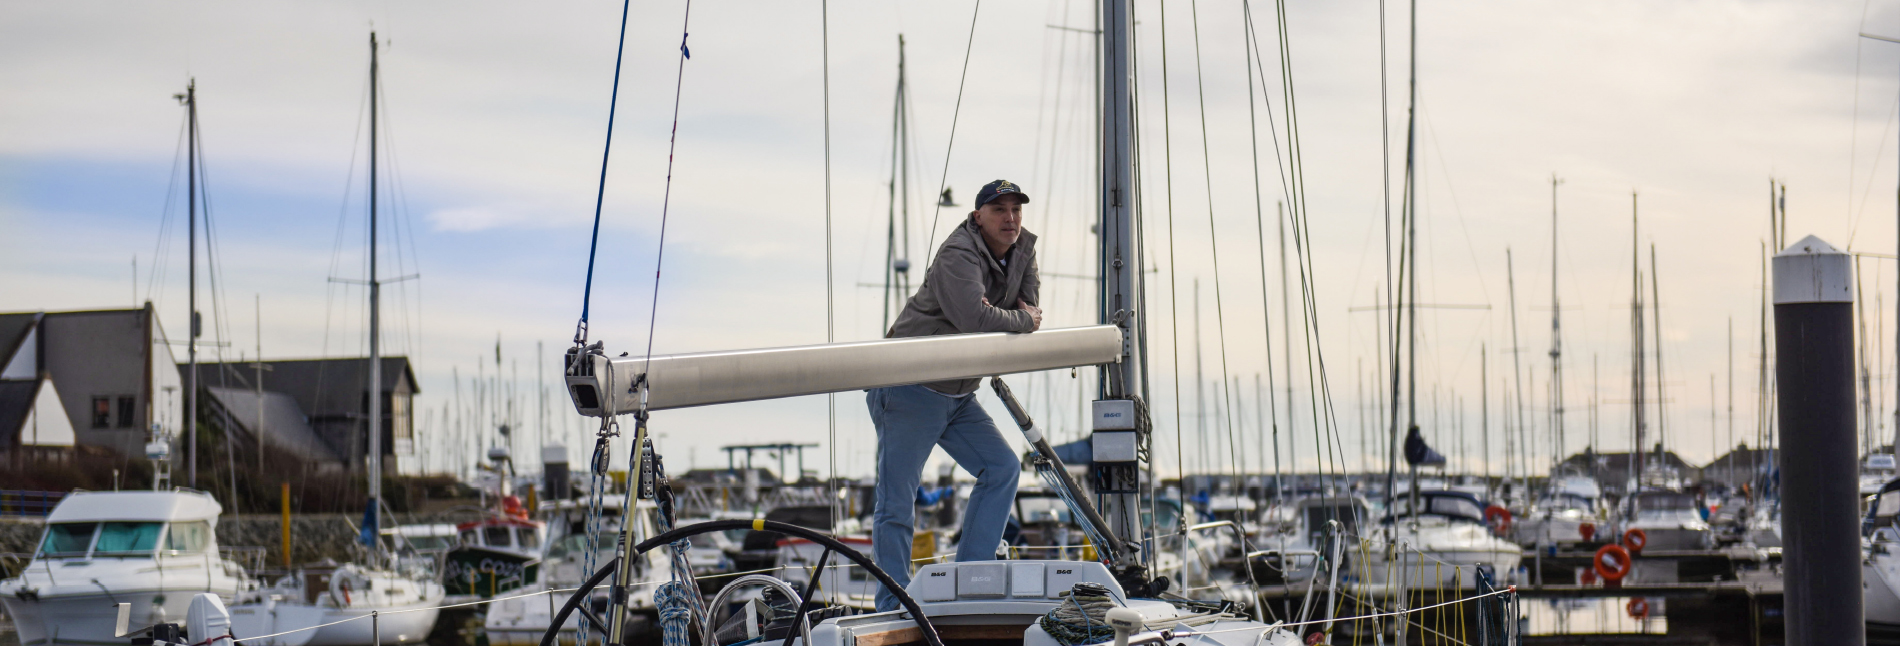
{"x": 379, "y": 602}
{"x": 1032, "y": 602}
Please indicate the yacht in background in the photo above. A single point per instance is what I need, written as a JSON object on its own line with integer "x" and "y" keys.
{"x": 1561, "y": 515}
{"x": 152, "y": 549}
{"x": 1670, "y": 520}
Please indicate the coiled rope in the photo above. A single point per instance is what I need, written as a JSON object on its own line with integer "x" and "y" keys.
{"x": 1082, "y": 617}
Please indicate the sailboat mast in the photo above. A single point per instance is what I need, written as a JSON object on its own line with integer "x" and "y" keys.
{"x": 375, "y": 457}
{"x": 1655, "y": 300}
{"x": 1517, "y": 366}
{"x": 1557, "y": 445}
{"x": 1119, "y": 261}
{"x": 1636, "y": 349}
{"x": 191, "y": 234}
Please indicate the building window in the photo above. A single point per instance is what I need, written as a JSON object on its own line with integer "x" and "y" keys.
{"x": 128, "y": 405}
{"x": 101, "y": 412}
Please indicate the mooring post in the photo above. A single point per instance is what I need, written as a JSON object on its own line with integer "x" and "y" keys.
{"x": 1814, "y": 348}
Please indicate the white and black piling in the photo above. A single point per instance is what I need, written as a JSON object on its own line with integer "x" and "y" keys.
{"x": 1814, "y": 345}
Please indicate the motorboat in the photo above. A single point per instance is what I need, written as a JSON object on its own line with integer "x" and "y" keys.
{"x": 152, "y": 549}
{"x": 1570, "y": 512}
{"x": 1670, "y": 520}
{"x": 494, "y": 555}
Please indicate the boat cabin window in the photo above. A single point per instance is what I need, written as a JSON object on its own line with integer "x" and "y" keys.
{"x": 127, "y": 538}
{"x": 68, "y": 539}
{"x": 188, "y": 538}
{"x": 495, "y": 536}
{"x": 526, "y": 538}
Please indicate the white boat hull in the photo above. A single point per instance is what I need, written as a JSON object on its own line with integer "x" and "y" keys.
{"x": 89, "y": 619}
{"x": 1880, "y": 589}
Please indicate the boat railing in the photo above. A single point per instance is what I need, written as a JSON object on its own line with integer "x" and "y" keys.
{"x": 705, "y": 500}
{"x": 251, "y": 558}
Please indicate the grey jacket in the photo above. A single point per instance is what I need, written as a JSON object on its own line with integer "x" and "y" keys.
{"x": 951, "y": 299}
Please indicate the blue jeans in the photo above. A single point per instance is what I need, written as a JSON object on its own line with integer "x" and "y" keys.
{"x": 910, "y": 421}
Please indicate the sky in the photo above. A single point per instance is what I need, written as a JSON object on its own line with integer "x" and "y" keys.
{"x": 495, "y": 116}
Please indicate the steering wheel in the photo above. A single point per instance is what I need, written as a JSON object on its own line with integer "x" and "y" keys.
{"x": 831, "y": 545}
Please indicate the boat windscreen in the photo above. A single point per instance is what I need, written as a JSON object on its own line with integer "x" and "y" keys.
{"x": 187, "y": 538}
{"x": 127, "y": 538}
{"x": 68, "y": 539}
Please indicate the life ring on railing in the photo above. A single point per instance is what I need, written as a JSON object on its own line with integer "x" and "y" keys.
{"x": 1638, "y": 608}
{"x": 1612, "y": 563}
{"x": 1588, "y": 531}
{"x": 343, "y": 588}
{"x": 1498, "y": 518}
{"x": 1636, "y": 539}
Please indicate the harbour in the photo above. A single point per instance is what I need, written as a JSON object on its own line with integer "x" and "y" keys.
{"x": 944, "y": 324}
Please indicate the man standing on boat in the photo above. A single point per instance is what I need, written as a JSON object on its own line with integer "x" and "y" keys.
{"x": 983, "y": 279}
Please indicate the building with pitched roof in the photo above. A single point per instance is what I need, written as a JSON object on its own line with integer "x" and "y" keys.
{"x": 94, "y": 378}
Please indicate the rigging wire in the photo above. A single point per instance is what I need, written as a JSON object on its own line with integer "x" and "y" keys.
{"x": 955, "y": 112}
{"x": 1220, "y": 310}
{"x": 162, "y": 247}
{"x": 831, "y": 399}
{"x": 1174, "y": 279}
{"x": 600, "y": 192}
{"x": 666, "y": 199}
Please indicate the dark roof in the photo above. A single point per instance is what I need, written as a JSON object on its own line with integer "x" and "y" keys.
{"x": 285, "y": 425}
{"x": 16, "y": 401}
{"x": 320, "y": 387}
{"x": 13, "y": 328}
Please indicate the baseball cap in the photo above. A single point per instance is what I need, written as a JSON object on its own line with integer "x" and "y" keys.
{"x": 999, "y": 187}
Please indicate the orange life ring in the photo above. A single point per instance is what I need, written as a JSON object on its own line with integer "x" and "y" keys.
{"x": 1612, "y": 562}
{"x": 1588, "y": 531}
{"x": 1498, "y": 518}
{"x": 1638, "y": 608}
{"x": 1636, "y": 539}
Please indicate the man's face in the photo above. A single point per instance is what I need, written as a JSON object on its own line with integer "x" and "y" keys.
{"x": 1001, "y": 221}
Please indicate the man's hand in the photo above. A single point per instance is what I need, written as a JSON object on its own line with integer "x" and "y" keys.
{"x": 1035, "y": 314}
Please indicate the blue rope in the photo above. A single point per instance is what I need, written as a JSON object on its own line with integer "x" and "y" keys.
{"x": 676, "y": 612}
{"x": 600, "y": 194}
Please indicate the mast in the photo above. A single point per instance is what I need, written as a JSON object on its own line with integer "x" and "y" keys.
{"x": 191, "y": 234}
{"x": 1556, "y": 338}
{"x": 1517, "y": 365}
{"x": 896, "y": 254}
{"x": 1286, "y": 343}
{"x": 1636, "y": 348}
{"x": 1118, "y": 255}
{"x": 1655, "y": 314}
{"x": 375, "y": 458}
